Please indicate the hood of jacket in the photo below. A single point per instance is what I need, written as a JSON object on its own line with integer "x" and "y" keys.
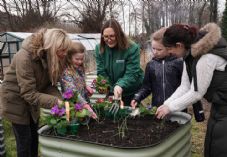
{"x": 34, "y": 44}
{"x": 210, "y": 39}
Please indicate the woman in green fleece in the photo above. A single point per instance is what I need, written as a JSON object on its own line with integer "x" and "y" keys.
{"x": 118, "y": 59}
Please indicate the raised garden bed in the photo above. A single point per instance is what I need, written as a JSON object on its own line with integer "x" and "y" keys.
{"x": 139, "y": 137}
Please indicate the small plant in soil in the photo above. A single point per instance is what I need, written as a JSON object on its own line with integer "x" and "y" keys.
{"x": 123, "y": 128}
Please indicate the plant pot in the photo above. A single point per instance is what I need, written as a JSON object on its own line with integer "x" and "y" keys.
{"x": 176, "y": 144}
{"x": 73, "y": 128}
{"x": 83, "y": 120}
{"x": 61, "y": 131}
{"x": 103, "y": 90}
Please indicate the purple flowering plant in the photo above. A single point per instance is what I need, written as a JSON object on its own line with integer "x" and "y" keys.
{"x": 58, "y": 117}
{"x": 69, "y": 94}
{"x": 56, "y": 111}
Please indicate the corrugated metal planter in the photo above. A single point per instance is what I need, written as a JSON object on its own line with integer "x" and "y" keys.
{"x": 178, "y": 144}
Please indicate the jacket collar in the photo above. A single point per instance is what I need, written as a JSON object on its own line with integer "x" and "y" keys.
{"x": 168, "y": 58}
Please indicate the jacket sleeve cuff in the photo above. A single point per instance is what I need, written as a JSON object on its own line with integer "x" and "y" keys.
{"x": 137, "y": 98}
{"x": 171, "y": 107}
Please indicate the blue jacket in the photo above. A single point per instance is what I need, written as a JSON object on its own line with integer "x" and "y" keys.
{"x": 162, "y": 77}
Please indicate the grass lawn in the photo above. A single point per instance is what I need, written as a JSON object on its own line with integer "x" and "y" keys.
{"x": 198, "y": 135}
{"x": 9, "y": 140}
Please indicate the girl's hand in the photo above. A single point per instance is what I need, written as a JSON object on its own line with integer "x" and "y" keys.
{"x": 89, "y": 90}
{"x": 133, "y": 104}
{"x": 93, "y": 114}
{"x": 117, "y": 91}
{"x": 162, "y": 111}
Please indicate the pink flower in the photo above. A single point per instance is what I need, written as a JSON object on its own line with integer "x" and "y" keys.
{"x": 94, "y": 81}
{"x": 103, "y": 81}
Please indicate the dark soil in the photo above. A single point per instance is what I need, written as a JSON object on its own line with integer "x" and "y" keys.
{"x": 137, "y": 132}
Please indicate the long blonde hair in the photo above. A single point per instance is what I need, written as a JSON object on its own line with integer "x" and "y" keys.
{"x": 55, "y": 40}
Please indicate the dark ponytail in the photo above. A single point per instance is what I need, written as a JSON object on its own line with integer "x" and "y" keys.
{"x": 180, "y": 33}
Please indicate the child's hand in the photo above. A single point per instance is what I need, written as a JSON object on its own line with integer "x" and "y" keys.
{"x": 89, "y": 90}
{"x": 93, "y": 114}
{"x": 133, "y": 104}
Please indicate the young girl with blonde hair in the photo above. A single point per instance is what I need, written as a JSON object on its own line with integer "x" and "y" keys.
{"x": 74, "y": 75}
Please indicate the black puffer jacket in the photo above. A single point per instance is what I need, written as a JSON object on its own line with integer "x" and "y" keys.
{"x": 162, "y": 77}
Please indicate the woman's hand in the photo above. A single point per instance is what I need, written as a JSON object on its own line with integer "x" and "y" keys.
{"x": 133, "y": 104}
{"x": 93, "y": 114}
{"x": 89, "y": 90}
{"x": 60, "y": 103}
{"x": 162, "y": 111}
{"x": 117, "y": 91}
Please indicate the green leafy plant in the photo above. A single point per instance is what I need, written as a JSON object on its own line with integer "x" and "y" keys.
{"x": 101, "y": 106}
{"x": 57, "y": 119}
{"x": 147, "y": 111}
{"x": 101, "y": 84}
{"x": 123, "y": 128}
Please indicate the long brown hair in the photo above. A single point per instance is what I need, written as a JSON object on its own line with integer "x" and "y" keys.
{"x": 121, "y": 39}
{"x": 76, "y": 47}
{"x": 55, "y": 40}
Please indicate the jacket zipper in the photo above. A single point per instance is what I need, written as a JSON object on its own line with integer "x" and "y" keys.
{"x": 163, "y": 81}
{"x": 112, "y": 64}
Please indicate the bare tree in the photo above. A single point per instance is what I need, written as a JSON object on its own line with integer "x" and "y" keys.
{"x": 23, "y": 15}
{"x": 91, "y": 13}
{"x": 213, "y": 10}
{"x": 152, "y": 19}
{"x": 164, "y": 13}
{"x": 122, "y": 5}
{"x": 191, "y": 19}
{"x": 200, "y": 14}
